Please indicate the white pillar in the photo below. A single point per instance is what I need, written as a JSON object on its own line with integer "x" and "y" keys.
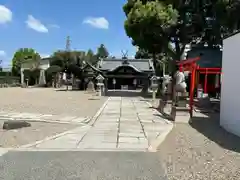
{"x": 100, "y": 91}
{"x": 22, "y": 76}
{"x": 42, "y": 78}
{"x": 154, "y": 95}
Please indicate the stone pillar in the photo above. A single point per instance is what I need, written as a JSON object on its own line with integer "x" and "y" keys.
{"x": 145, "y": 86}
{"x": 42, "y": 78}
{"x": 22, "y": 76}
{"x": 106, "y": 85}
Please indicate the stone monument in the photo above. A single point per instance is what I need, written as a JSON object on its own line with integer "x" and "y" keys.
{"x": 180, "y": 93}
{"x": 42, "y": 78}
{"x": 180, "y": 111}
{"x": 166, "y": 93}
{"x": 90, "y": 86}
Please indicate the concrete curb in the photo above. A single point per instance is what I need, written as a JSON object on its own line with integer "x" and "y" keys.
{"x": 160, "y": 139}
{"x": 47, "y": 139}
{"x": 167, "y": 121}
{"x": 79, "y": 150}
{"x": 95, "y": 117}
{"x": 154, "y": 145}
{"x": 4, "y": 151}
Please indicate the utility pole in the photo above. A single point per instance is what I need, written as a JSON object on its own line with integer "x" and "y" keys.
{"x": 68, "y": 42}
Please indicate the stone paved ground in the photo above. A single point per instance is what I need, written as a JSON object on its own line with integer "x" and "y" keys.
{"x": 124, "y": 124}
{"x": 201, "y": 151}
{"x": 49, "y": 101}
{"x": 38, "y": 131}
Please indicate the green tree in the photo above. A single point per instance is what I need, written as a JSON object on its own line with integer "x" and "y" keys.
{"x": 0, "y": 65}
{"x": 91, "y": 57}
{"x": 65, "y": 58}
{"x": 155, "y": 24}
{"x": 147, "y": 24}
{"x": 24, "y": 54}
{"x": 102, "y": 52}
{"x": 142, "y": 54}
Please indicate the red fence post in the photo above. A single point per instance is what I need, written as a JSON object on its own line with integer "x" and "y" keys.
{"x": 205, "y": 81}
{"x": 192, "y": 87}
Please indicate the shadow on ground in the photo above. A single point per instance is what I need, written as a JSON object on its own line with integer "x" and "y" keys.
{"x": 121, "y": 93}
{"x": 210, "y": 128}
{"x": 70, "y": 89}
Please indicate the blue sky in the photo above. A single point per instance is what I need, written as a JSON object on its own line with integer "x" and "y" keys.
{"x": 44, "y": 25}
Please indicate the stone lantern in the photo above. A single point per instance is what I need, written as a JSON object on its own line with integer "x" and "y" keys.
{"x": 114, "y": 83}
{"x": 100, "y": 84}
{"x": 27, "y": 82}
{"x": 154, "y": 85}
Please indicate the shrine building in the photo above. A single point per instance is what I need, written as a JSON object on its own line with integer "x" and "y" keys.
{"x": 131, "y": 73}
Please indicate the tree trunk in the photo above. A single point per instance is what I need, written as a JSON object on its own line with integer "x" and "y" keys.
{"x": 178, "y": 55}
{"x": 157, "y": 72}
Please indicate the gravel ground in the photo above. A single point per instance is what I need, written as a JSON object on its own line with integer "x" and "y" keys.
{"x": 38, "y": 131}
{"x": 201, "y": 151}
{"x": 49, "y": 101}
{"x": 80, "y": 166}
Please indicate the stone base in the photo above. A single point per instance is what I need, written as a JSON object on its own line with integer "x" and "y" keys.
{"x": 163, "y": 105}
{"x": 181, "y": 99}
{"x": 11, "y": 124}
{"x": 180, "y": 114}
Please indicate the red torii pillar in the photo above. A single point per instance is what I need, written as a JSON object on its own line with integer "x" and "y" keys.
{"x": 190, "y": 65}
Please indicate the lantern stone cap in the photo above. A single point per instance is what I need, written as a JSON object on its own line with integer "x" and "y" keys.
{"x": 100, "y": 77}
{"x": 154, "y": 77}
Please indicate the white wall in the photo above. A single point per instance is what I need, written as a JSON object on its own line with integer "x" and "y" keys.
{"x": 44, "y": 65}
{"x": 230, "y": 89}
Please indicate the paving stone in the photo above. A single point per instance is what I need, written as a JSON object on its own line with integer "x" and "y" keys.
{"x": 131, "y": 131}
{"x": 132, "y": 140}
{"x": 121, "y": 120}
{"x": 130, "y": 134}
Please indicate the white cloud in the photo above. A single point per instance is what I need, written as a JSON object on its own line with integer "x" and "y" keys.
{"x": 2, "y": 53}
{"x": 5, "y": 14}
{"x": 54, "y": 26}
{"x": 36, "y": 24}
{"x": 97, "y": 22}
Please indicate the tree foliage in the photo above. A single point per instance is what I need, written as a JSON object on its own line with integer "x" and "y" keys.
{"x": 142, "y": 54}
{"x": 24, "y": 54}
{"x": 147, "y": 22}
{"x": 65, "y": 58}
{"x": 91, "y": 57}
{"x": 154, "y": 24}
{"x": 102, "y": 52}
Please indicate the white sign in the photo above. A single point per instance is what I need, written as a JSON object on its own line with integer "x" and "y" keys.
{"x": 114, "y": 81}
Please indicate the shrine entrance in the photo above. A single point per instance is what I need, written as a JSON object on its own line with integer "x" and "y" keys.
{"x": 120, "y": 82}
